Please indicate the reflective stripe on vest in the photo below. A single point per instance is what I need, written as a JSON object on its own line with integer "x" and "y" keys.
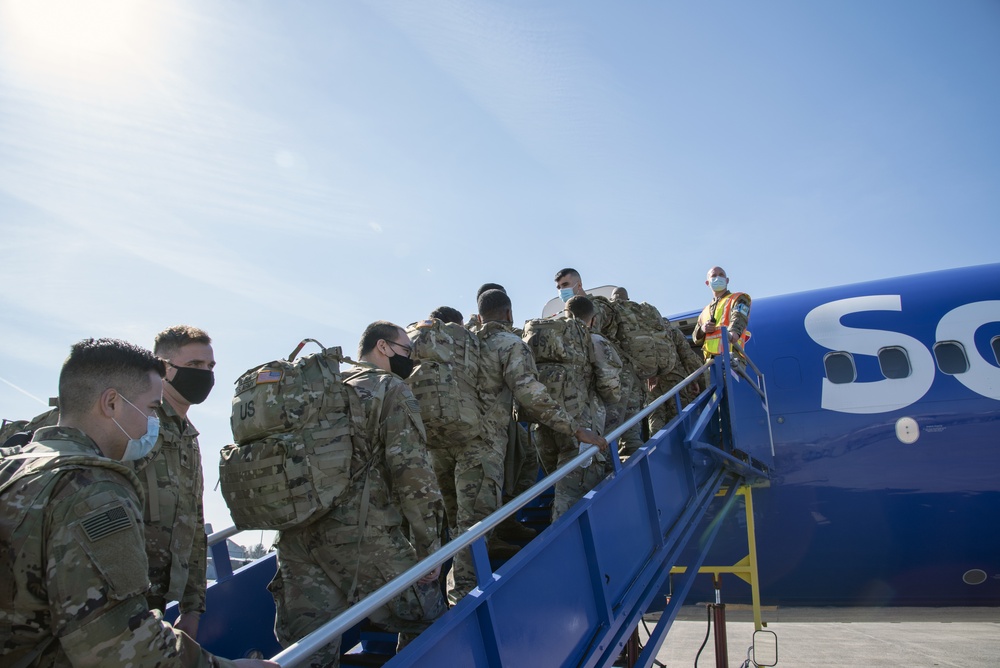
{"x": 713, "y": 340}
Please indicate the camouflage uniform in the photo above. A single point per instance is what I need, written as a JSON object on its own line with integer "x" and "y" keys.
{"x": 556, "y": 447}
{"x": 27, "y": 427}
{"x": 632, "y": 387}
{"x": 688, "y": 363}
{"x": 608, "y": 381}
{"x": 326, "y": 566}
{"x": 171, "y": 477}
{"x": 515, "y": 378}
{"x": 74, "y": 563}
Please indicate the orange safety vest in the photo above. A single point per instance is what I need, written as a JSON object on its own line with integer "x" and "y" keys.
{"x": 723, "y": 312}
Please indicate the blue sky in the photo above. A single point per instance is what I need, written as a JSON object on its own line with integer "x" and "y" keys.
{"x": 274, "y": 171}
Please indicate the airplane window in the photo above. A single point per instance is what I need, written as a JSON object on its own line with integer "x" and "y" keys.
{"x": 894, "y": 362}
{"x": 840, "y": 368}
{"x": 950, "y": 356}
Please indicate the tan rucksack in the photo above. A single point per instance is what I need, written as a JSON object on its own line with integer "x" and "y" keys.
{"x": 445, "y": 380}
{"x": 294, "y": 423}
{"x": 643, "y": 337}
{"x": 564, "y": 354}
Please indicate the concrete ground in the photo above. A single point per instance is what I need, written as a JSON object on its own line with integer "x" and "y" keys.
{"x": 949, "y": 637}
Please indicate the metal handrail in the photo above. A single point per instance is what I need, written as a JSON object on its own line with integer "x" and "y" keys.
{"x": 298, "y": 652}
{"x": 219, "y": 536}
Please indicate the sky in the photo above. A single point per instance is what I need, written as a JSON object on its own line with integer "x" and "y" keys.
{"x": 275, "y": 171}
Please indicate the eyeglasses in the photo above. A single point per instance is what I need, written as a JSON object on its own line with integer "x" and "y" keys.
{"x": 408, "y": 349}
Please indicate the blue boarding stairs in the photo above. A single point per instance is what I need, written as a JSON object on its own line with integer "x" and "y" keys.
{"x": 576, "y": 593}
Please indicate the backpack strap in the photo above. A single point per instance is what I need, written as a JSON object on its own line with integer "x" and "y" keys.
{"x": 362, "y": 427}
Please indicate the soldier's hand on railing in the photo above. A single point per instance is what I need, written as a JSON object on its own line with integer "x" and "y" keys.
{"x": 431, "y": 577}
{"x": 593, "y": 438}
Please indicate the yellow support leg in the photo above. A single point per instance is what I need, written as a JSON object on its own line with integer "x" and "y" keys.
{"x": 746, "y": 568}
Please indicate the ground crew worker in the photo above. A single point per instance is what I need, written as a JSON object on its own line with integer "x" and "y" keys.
{"x": 74, "y": 558}
{"x": 727, "y": 309}
{"x": 326, "y": 566}
{"x": 569, "y": 283}
{"x": 173, "y": 481}
{"x": 515, "y": 380}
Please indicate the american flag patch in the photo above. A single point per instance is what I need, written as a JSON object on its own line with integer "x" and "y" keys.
{"x": 268, "y": 376}
{"x": 105, "y": 523}
{"x": 425, "y": 323}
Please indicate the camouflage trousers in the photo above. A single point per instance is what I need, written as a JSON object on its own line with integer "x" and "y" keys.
{"x": 632, "y": 401}
{"x": 315, "y": 576}
{"x": 554, "y": 450}
{"x": 470, "y": 476}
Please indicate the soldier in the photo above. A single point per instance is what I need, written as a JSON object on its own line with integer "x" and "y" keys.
{"x": 516, "y": 380}
{"x": 173, "y": 481}
{"x": 569, "y": 283}
{"x": 687, "y": 363}
{"x": 608, "y": 365}
{"x": 357, "y": 547}
{"x": 447, "y": 314}
{"x": 71, "y": 525}
{"x": 474, "y": 321}
{"x": 727, "y": 309}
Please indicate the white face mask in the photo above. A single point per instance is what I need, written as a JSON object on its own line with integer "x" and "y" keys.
{"x": 138, "y": 448}
{"x": 718, "y": 283}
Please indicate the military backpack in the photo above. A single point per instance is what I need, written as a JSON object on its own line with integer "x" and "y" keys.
{"x": 643, "y": 337}
{"x": 445, "y": 380}
{"x": 295, "y": 425}
{"x": 564, "y": 353}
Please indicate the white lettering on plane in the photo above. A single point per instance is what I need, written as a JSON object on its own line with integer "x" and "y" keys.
{"x": 960, "y": 324}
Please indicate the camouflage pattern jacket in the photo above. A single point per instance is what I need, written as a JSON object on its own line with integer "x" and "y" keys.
{"x": 515, "y": 379}
{"x": 607, "y": 377}
{"x": 73, "y": 569}
{"x": 172, "y": 479}
{"x": 393, "y": 458}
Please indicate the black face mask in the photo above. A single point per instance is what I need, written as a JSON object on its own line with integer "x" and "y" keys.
{"x": 193, "y": 384}
{"x": 401, "y": 366}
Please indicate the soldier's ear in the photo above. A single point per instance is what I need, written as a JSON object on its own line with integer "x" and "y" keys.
{"x": 107, "y": 402}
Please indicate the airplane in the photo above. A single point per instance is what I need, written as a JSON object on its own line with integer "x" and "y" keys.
{"x": 884, "y": 403}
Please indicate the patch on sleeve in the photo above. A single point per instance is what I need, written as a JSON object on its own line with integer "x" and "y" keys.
{"x": 111, "y": 536}
{"x": 424, "y": 324}
{"x": 743, "y": 308}
{"x": 106, "y": 522}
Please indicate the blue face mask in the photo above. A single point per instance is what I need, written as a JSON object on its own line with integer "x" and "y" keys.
{"x": 142, "y": 446}
{"x": 718, "y": 283}
{"x": 565, "y": 294}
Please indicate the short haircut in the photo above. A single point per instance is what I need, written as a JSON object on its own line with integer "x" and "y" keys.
{"x": 492, "y": 304}
{"x": 172, "y": 339}
{"x": 568, "y": 271}
{"x": 619, "y": 293}
{"x": 489, "y": 286}
{"x": 581, "y": 307}
{"x": 447, "y": 314}
{"x": 94, "y": 365}
{"x": 375, "y": 332}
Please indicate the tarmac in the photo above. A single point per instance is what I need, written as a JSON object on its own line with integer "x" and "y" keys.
{"x": 948, "y": 637}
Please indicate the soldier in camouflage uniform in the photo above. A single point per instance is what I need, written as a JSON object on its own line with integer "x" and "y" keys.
{"x": 515, "y": 380}
{"x": 72, "y": 553}
{"x": 357, "y": 547}
{"x": 569, "y": 283}
{"x": 688, "y": 363}
{"x": 173, "y": 482}
{"x": 18, "y": 432}
{"x": 608, "y": 364}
